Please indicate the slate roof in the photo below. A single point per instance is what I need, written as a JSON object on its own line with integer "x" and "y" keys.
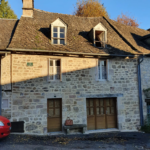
{"x": 34, "y": 33}
{"x": 6, "y": 31}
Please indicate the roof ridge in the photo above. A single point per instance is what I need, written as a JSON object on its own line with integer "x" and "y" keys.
{"x": 64, "y": 14}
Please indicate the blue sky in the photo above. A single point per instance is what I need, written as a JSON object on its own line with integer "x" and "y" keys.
{"x": 139, "y": 9}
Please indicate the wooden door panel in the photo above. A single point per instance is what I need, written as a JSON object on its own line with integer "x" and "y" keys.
{"x": 91, "y": 123}
{"x": 111, "y": 121}
{"x": 54, "y": 124}
{"x": 101, "y": 123}
{"x": 54, "y": 115}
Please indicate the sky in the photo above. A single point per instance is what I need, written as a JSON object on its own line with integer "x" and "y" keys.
{"x": 139, "y": 9}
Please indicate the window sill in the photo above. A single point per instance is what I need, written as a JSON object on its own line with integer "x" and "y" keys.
{"x": 54, "y": 81}
{"x": 103, "y": 80}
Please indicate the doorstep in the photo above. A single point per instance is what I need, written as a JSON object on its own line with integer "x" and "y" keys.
{"x": 102, "y": 130}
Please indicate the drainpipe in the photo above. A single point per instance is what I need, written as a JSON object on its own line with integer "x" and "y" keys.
{"x": 140, "y": 60}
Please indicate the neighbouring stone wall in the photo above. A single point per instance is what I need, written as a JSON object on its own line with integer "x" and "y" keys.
{"x": 6, "y": 86}
{"x": 31, "y": 89}
{"x": 145, "y": 81}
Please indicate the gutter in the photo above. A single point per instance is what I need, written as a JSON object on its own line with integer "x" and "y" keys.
{"x": 74, "y": 53}
{"x": 140, "y": 60}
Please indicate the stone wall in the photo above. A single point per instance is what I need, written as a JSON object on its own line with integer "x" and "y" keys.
{"x": 145, "y": 81}
{"x": 31, "y": 89}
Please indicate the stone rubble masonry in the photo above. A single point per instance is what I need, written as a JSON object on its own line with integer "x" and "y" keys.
{"x": 31, "y": 89}
{"x": 145, "y": 81}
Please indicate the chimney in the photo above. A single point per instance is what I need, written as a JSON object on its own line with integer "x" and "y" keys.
{"x": 28, "y": 6}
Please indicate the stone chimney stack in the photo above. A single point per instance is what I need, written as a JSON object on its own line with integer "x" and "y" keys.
{"x": 28, "y": 6}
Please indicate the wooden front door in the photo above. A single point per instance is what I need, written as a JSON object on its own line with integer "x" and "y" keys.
{"x": 54, "y": 115}
{"x": 101, "y": 113}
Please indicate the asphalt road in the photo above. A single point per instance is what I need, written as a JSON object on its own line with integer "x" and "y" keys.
{"x": 102, "y": 141}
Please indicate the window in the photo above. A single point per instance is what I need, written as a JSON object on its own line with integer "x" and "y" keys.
{"x": 99, "y": 35}
{"x": 100, "y": 39}
{"x": 58, "y": 32}
{"x": 148, "y": 109}
{"x": 58, "y": 35}
{"x": 103, "y": 69}
{"x": 54, "y": 69}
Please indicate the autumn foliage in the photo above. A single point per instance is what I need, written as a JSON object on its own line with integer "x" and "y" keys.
{"x": 126, "y": 20}
{"x": 90, "y": 8}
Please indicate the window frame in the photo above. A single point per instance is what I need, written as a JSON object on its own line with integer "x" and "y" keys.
{"x": 99, "y": 70}
{"x": 58, "y": 35}
{"x": 54, "y": 79}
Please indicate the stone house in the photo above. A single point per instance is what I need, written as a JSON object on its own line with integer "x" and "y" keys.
{"x": 55, "y": 66}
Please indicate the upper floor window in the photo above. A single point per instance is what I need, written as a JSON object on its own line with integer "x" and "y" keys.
{"x": 58, "y": 32}
{"x": 99, "y": 36}
{"x": 103, "y": 69}
{"x": 58, "y": 35}
{"x": 54, "y": 69}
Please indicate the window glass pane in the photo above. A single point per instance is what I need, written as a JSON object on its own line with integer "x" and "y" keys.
{"x": 55, "y": 41}
{"x": 57, "y": 112}
{"x": 62, "y": 29}
{"x": 91, "y": 103}
{"x": 51, "y": 103}
{"x": 57, "y": 63}
{"x": 108, "y": 110}
{"x": 62, "y": 35}
{"x": 62, "y": 41}
{"x": 5, "y": 103}
{"x": 57, "y": 103}
{"x": 107, "y": 102}
{"x": 54, "y": 34}
{"x": 97, "y": 111}
{"x": 51, "y": 112}
{"x": 101, "y": 102}
{"x": 102, "y": 110}
{"x": 51, "y": 62}
{"x": 97, "y": 102}
{"x": 92, "y": 111}
{"x": 51, "y": 70}
{"x": 57, "y": 77}
{"x": 88, "y": 111}
{"x": 55, "y": 29}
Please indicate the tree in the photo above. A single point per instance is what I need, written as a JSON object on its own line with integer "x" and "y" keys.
{"x": 129, "y": 21}
{"x": 90, "y": 8}
{"x": 6, "y": 11}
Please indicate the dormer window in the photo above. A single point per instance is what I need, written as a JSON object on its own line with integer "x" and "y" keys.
{"x": 99, "y": 36}
{"x": 58, "y": 35}
{"x": 58, "y": 32}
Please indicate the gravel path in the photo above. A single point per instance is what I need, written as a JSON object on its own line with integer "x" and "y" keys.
{"x": 102, "y": 141}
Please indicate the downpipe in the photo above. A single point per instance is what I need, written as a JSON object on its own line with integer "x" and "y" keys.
{"x": 140, "y": 60}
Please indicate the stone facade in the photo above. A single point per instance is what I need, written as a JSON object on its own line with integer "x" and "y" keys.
{"x": 31, "y": 89}
{"x": 145, "y": 81}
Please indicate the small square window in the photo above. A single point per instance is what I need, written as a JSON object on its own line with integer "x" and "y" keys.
{"x": 55, "y": 29}
{"x": 62, "y": 35}
{"x": 55, "y": 35}
{"x": 62, "y": 41}
{"x": 62, "y": 30}
{"x": 55, "y": 41}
